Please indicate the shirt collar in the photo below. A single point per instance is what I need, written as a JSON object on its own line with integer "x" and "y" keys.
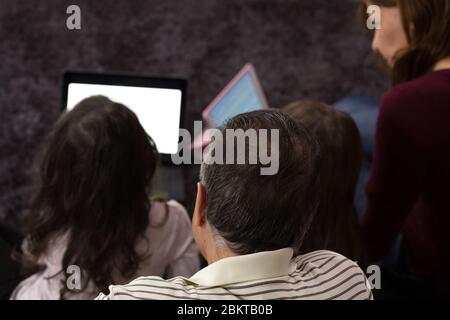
{"x": 257, "y": 266}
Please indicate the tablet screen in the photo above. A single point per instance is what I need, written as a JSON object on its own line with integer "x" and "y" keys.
{"x": 158, "y": 109}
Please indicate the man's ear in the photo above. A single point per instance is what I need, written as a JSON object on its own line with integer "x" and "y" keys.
{"x": 199, "y": 216}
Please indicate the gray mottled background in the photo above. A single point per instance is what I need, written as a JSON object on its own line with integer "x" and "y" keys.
{"x": 301, "y": 49}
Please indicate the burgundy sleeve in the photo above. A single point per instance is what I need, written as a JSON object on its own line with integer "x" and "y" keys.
{"x": 396, "y": 172}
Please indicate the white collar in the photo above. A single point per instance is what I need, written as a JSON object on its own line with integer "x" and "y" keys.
{"x": 244, "y": 268}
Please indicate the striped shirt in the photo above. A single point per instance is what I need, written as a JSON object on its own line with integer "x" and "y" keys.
{"x": 274, "y": 275}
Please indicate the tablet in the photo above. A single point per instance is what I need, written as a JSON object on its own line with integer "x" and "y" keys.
{"x": 157, "y": 102}
{"x": 242, "y": 94}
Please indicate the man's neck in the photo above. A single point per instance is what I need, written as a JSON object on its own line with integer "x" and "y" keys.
{"x": 442, "y": 64}
{"x": 218, "y": 253}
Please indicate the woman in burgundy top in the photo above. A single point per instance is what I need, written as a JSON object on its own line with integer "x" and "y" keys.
{"x": 409, "y": 189}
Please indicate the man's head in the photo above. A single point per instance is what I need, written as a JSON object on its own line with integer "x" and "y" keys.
{"x": 241, "y": 211}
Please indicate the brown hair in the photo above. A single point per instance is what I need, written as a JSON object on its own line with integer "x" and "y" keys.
{"x": 94, "y": 182}
{"x": 335, "y": 226}
{"x": 427, "y": 27}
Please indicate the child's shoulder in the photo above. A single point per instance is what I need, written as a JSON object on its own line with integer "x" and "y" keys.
{"x": 170, "y": 212}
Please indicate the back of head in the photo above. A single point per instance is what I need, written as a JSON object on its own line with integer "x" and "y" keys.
{"x": 253, "y": 212}
{"x": 94, "y": 182}
{"x": 336, "y": 224}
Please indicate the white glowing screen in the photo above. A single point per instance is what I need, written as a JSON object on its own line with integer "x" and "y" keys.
{"x": 158, "y": 110}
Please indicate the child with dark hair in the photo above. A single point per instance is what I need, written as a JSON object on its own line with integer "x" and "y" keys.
{"x": 335, "y": 226}
{"x": 92, "y": 211}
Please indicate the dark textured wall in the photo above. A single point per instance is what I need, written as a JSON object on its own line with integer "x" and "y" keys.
{"x": 300, "y": 48}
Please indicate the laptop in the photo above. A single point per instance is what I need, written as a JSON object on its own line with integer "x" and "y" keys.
{"x": 241, "y": 95}
{"x": 157, "y": 102}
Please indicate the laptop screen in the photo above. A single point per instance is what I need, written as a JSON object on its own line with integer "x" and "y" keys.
{"x": 243, "y": 95}
{"x": 157, "y": 108}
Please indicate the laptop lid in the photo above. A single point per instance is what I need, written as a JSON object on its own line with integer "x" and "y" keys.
{"x": 157, "y": 102}
{"x": 242, "y": 94}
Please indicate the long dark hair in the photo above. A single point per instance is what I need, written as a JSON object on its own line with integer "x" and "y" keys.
{"x": 427, "y": 27}
{"x": 335, "y": 226}
{"x": 93, "y": 184}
